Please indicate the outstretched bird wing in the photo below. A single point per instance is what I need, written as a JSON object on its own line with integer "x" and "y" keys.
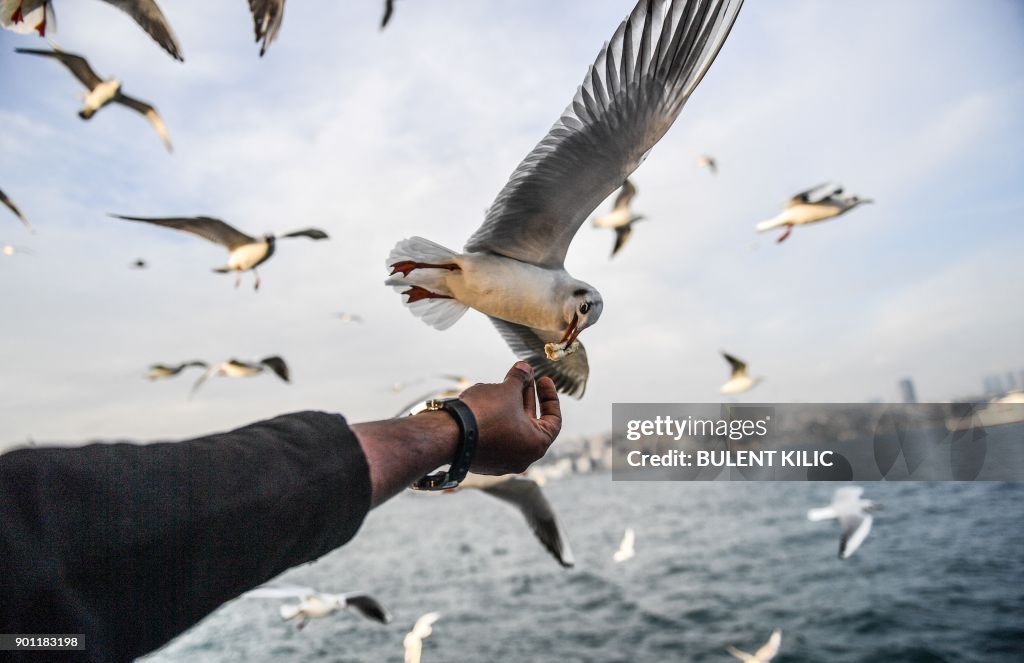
{"x": 816, "y": 194}
{"x": 368, "y": 607}
{"x": 770, "y": 649}
{"x": 76, "y": 64}
{"x": 206, "y": 227}
{"x": 738, "y": 367}
{"x": 281, "y": 592}
{"x": 569, "y": 374}
{"x": 622, "y": 235}
{"x": 149, "y": 17}
{"x": 855, "y": 529}
{"x": 277, "y": 365}
{"x": 151, "y": 115}
{"x": 312, "y": 233}
{"x": 9, "y": 204}
{"x": 630, "y": 97}
{"x": 267, "y": 16}
{"x": 626, "y": 195}
{"x": 527, "y": 496}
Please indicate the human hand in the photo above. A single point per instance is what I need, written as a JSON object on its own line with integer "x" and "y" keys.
{"x": 512, "y": 436}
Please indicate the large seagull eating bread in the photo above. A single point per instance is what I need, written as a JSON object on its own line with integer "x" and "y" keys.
{"x": 512, "y": 268}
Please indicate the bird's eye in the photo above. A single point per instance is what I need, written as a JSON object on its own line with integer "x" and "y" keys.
{"x": 584, "y": 307}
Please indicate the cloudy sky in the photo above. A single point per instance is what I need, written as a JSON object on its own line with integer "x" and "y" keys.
{"x": 378, "y": 136}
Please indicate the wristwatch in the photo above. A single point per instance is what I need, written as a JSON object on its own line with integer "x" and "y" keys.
{"x": 468, "y": 435}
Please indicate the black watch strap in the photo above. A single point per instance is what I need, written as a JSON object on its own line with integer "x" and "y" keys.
{"x": 464, "y": 452}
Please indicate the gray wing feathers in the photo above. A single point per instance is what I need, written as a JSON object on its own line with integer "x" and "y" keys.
{"x": 76, "y": 64}
{"x": 267, "y": 16}
{"x": 368, "y": 607}
{"x": 629, "y": 98}
{"x": 312, "y": 233}
{"x": 527, "y": 496}
{"x": 149, "y": 17}
{"x": 9, "y": 204}
{"x": 206, "y": 227}
{"x": 569, "y": 374}
{"x": 277, "y": 365}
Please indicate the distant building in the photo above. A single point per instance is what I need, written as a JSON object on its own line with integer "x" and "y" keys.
{"x": 907, "y": 390}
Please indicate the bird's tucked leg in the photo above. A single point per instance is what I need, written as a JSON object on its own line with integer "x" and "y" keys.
{"x": 302, "y": 624}
{"x": 406, "y": 266}
{"x": 789, "y": 229}
{"x": 416, "y": 293}
{"x": 256, "y": 284}
{"x": 238, "y": 280}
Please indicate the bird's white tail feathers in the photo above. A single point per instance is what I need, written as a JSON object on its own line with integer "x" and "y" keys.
{"x": 769, "y": 224}
{"x": 438, "y": 313}
{"x": 289, "y": 611}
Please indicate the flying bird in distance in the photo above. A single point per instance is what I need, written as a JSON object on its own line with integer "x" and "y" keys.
{"x": 245, "y": 252}
{"x": 767, "y": 652}
{"x": 139, "y": 264}
{"x": 9, "y": 204}
{"x": 233, "y": 368}
{"x": 825, "y": 201}
{"x": 739, "y": 381}
{"x": 413, "y": 641}
{"x": 163, "y": 371}
{"x": 512, "y": 268}
{"x": 708, "y": 161}
{"x": 348, "y": 318}
{"x": 854, "y": 515}
{"x": 37, "y": 15}
{"x": 267, "y": 16}
{"x": 627, "y": 547}
{"x": 315, "y": 605}
{"x": 102, "y": 92}
{"x": 389, "y": 9}
{"x": 621, "y": 219}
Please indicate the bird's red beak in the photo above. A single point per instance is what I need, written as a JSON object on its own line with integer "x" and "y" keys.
{"x": 572, "y": 331}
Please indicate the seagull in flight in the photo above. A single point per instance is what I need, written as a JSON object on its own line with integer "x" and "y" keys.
{"x": 163, "y": 371}
{"x": 767, "y": 652}
{"x": 626, "y": 548}
{"x": 245, "y": 252}
{"x": 512, "y": 268}
{"x": 313, "y": 604}
{"x": 102, "y": 92}
{"x": 233, "y": 368}
{"x": 37, "y": 15}
{"x": 267, "y": 16}
{"x": 413, "y": 641}
{"x": 739, "y": 381}
{"x": 526, "y": 495}
{"x": 854, "y": 515}
{"x": 819, "y": 203}
{"x": 621, "y": 219}
{"x": 9, "y": 204}
{"x": 708, "y": 161}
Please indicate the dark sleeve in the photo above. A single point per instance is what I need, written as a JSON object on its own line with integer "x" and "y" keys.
{"x": 133, "y": 544}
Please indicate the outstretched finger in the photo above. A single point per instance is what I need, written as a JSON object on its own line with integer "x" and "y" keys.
{"x": 550, "y": 408}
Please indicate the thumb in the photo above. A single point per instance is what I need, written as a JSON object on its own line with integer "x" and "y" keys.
{"x": 520, "y": 375}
